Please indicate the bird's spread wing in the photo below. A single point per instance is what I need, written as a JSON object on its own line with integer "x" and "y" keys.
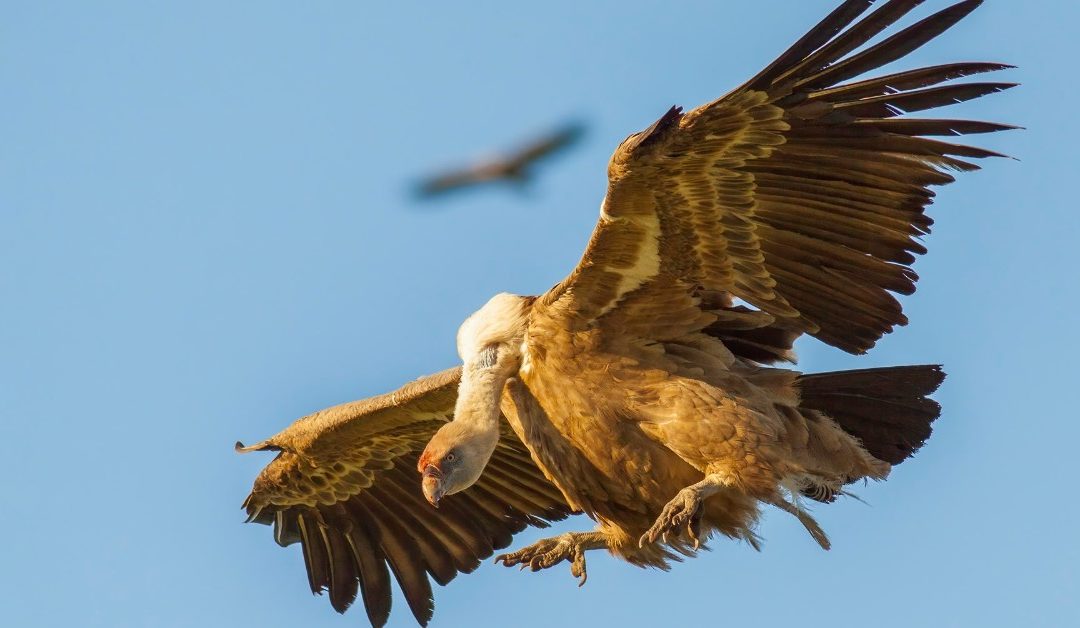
{"x": 547, "y": 145}
{"x": 801, "y": 192}
{"x": 462, "y": 178}
{"x": 345, "y": 486}
{"x": 515, "y": 165}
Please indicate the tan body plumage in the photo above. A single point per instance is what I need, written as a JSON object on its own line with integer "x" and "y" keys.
{"x": 639, "y": 390}
{"x": 622, "y": 431}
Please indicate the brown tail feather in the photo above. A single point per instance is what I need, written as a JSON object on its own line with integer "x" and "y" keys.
{"x": 887, "y": 409}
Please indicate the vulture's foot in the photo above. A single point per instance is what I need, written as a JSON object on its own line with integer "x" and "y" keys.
{"x": 681, "y": 514}
{"x": 550, "y": 552}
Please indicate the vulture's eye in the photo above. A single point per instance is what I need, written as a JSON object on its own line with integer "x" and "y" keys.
{"x": 450, "y": 457}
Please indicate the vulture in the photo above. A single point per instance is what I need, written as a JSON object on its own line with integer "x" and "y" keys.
{"x": 647, "y": 389}
{"x": 514, "y": 167}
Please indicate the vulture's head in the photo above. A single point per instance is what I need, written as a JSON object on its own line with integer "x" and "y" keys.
{"x": 489, "y": 343}
{"x": 454, "y": 459}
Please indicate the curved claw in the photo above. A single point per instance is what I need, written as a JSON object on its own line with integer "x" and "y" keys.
{"x": 577, "y": 568}
{"x": 683, "y": 513}
{"x": 547, "y": 553}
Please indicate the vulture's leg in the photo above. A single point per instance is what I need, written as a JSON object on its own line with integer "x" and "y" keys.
{"x": 684, "y": 511}
{"x": 550, "y": 552}
{"x": 804, "y": 518}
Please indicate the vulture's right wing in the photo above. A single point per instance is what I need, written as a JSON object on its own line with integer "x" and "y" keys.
{"x": 802, "y": 192}
{"x": 345, "y": 486}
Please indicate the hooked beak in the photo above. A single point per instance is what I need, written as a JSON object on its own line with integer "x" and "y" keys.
{"x": 432, "y": 485}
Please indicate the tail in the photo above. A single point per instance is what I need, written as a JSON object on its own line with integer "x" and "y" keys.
{"x": 887, "y": 409}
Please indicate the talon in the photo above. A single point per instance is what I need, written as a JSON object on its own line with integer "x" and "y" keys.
{"x": 577, "y": 569}
{"x": 693, "y": 528}
{"x": 550, "y": 552}
{"x": 682, "y": 515}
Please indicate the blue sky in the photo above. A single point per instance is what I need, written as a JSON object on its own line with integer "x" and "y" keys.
{"x": 205, "y": 233}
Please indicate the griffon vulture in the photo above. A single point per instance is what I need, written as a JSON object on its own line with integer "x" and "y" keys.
{"x": 515, "y": 167}
{"x": 641, "y": 390}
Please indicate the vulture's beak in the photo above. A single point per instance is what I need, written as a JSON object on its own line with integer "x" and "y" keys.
{"x": 432, "y": 485}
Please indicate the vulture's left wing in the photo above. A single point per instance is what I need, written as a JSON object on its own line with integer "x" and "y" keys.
{"x": 800, "y": 192}
{"x": 345, "y": 486}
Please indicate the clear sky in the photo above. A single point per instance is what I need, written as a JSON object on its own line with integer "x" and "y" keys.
{"x": 205, "y": 233}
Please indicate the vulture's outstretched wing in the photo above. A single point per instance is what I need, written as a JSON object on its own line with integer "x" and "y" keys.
{"x": 799, "y": 192}
{"x": 345, "y": 486}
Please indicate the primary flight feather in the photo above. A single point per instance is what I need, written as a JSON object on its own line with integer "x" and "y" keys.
{"x": 639, "y": 390}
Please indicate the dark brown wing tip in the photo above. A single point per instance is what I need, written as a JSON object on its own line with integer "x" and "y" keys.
{"x": 658, "y": 129}
{"x": 937, "y": 377}
{"x": 667, "y": 120}
{"x": 818, "y": 36}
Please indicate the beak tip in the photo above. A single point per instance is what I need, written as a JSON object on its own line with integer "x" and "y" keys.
{"x": 432, "y": 488}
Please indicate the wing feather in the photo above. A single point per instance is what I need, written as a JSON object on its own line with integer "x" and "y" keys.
{"x": 344, "y": 579}
{"x": 891, "y": 49}
{"x": 818, "y": 36}
{"x": 406, "y": 563}
{"x": 451, "y": 528}
{"x": 343, "y": 485}
{"x": 373, "y": 572}
{"x": 800, "y": 194}
{"x": 888, "y": 105}
{"x": 852, "y": 38}
{"x": 316, "y": 556}
{"x": 904, "y": 81}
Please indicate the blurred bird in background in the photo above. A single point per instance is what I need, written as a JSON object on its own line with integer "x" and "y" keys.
{"x": 516, "y": 167}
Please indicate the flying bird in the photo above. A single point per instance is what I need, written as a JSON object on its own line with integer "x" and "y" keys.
{"x": 515, "y": 167}
{"x": 647, "y": 389}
